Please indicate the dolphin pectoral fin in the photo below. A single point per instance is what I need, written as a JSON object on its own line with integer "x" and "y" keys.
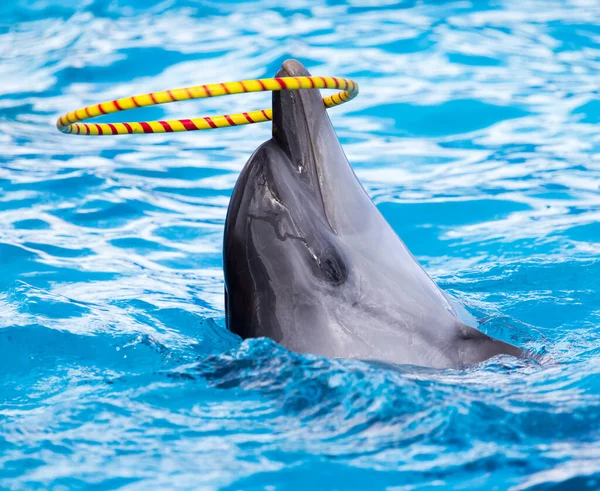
{"x": 475, "y": 346}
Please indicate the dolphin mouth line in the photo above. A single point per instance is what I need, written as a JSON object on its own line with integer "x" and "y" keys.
{"x": 315, "y": 162}
{"x": 302, "y": 100}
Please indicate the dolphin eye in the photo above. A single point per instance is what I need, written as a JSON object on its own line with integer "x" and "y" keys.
{"x": 333, "y": 269}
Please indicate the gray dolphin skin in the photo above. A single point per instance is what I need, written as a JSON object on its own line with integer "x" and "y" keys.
{"x": 311, "y": 263}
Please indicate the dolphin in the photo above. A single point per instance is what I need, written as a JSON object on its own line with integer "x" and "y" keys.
{"x": 311, "y": 263}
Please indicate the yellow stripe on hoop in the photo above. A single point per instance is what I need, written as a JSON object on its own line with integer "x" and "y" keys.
{"x": 70, "y": 122}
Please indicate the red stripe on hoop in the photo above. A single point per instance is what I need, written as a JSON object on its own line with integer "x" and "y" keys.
{"x": 210, "y": 122}
{"x": 188, "y": 124}
{"x": 166, "y": 126}
{"x": 225, "y": 89}
{"x": 151, "y": 94}
{"x": 100, "y": 132}
{"x": 116, "y": 104}
{"x": 171, "y": 95}
{"x": 207, "y": 91}
{"x": 128, "y": 128}
{"x": 100, "y": 109}
{"x": 262, "y": 85}
{"x": 135, "y": 103}
{"x": 87, "y": 129}
{"x": 229, "y": 120}
{"x": 244, "y": 86}
{"x": 146, "y": 127}
{"x": 281, "y": 83}
{"x": 247, "y": 116}
{"x": 113, "y": 129}
{"x": 265, "y": 114}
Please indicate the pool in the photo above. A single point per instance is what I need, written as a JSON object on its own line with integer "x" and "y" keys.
{"x": 476, "y": 134}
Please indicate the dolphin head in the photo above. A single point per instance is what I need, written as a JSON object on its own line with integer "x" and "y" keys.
{"x": 311, "y": 263}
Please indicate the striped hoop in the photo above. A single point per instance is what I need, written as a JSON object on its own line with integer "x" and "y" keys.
{"x": 70, "y": 122}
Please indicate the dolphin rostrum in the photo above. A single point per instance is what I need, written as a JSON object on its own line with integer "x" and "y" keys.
{"x": 311, "y": 263}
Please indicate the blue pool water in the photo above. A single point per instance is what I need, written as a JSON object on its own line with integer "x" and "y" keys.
{"x": 476, "y": 133}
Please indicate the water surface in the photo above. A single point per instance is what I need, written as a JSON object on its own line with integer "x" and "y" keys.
{"x": 476, "y": 134}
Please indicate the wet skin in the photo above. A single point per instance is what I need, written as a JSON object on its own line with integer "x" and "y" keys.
{"x": 311, "y": 263}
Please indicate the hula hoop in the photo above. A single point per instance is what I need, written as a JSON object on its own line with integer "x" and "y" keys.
{"x": 70, "y": 122}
